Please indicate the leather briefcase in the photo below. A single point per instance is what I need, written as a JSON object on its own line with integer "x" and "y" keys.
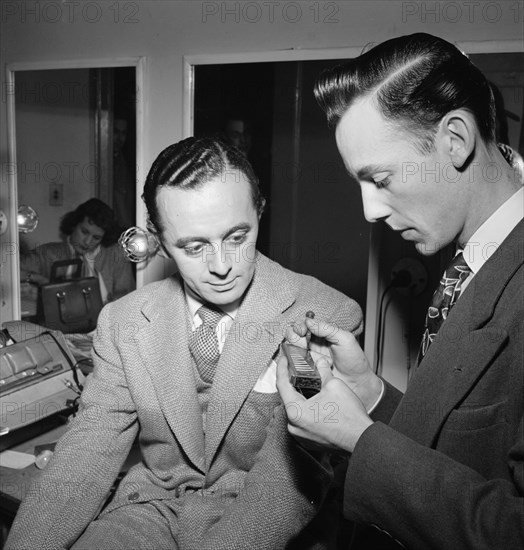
{"x": 69, "y": 305}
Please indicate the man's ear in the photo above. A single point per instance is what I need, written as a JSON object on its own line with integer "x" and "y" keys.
{"x": 161, "y": 249}
{"x": 261, "y": 207}
{"x": 459, "y": 136}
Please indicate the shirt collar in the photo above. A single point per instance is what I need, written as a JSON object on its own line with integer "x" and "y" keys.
{"x": 490, "y": 235}
{"x": 194, "y": 302}
{"x": 88, "y": 256}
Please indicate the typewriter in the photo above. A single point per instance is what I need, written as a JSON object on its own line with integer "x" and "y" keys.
{"x": 39, "y": 380}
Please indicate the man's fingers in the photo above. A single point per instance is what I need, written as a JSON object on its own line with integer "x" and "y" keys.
{"x": 322, "y": 329}
{"x": 300, "y": 327}
{"x": 331, "y": 333}
{"x": 286, "y": 390}
{"x": 297, "y": 335}
{"x": 324, "y": 354}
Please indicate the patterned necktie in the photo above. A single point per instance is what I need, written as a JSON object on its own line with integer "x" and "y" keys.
{"x": 443, "y": 300}
{"x": 203, "y": 342}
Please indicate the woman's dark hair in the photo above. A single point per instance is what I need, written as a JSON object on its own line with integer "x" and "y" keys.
{"x": 190, "y": 164}
{"x": 96, "y": 212}
{"x": 416, "y": 80}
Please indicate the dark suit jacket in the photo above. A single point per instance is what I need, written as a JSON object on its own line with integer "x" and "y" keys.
{"x": 246, "y": 484}
{"x": 448, "y": 471}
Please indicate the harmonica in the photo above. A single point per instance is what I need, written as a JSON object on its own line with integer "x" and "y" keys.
{"x": 303, "y": 373}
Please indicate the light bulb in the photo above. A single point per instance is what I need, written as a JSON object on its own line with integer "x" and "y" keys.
{"x": 138, "y": 244}
{"x": 27, "y": 219}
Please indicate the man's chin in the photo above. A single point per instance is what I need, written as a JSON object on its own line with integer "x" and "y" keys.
{"x": 223, "y": 295}
{"x": 427, "y": 249}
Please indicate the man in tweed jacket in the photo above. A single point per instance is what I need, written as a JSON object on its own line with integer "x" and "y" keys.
{"x": 218, "y": 470}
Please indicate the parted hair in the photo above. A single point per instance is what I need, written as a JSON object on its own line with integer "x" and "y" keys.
{"x": 97, "y": 212}
{"x": 415, "y": 80}
{"x": 190, "y": 164}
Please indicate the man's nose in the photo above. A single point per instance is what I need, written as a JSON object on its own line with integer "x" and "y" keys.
{"x": 219, "y": 261}
{"x": 375, "y": 208}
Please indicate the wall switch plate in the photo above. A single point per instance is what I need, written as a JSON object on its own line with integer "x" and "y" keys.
{"x": 56, "y": 194}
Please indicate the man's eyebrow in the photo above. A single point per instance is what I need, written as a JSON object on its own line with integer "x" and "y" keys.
{"x": 244, "y": 226}
{"x": 180, "y": 243}
{"x": 366, "y": 171}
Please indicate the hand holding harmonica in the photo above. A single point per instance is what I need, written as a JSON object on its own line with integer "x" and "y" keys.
{"x": 343, "y": 352}
{"x": 303, "y": 374}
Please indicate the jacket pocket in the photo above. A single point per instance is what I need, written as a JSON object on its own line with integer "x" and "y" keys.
{"x": 475, "y": 418}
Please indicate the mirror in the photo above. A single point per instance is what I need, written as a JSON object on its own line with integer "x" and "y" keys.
{"x": 73, "y": 134}
{"x": 268, "y": 109}
{"x": 314, "y": 222}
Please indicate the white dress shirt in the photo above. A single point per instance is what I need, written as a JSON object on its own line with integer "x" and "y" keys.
{"x": 230, "y": 310}
{"x": 490, "y": 235}
{"x": 268, "y": 378}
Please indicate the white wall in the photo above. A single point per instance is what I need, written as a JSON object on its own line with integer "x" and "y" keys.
{"x": 165, "y": 31}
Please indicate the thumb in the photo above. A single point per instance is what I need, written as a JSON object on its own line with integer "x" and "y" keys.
{"x": 324, "y": 369}
{"x": 322, "y": 329}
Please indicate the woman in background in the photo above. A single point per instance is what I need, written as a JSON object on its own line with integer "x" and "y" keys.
{"x": 91, "y": 235}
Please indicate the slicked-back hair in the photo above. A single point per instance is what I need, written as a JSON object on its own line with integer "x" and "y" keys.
{"x": 415, "y": 80}
{"x": 190, "y": 164}
{"x": 97, "y": 212}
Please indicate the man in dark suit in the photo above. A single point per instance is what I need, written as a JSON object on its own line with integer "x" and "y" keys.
{"x": 187, "y": 365}
{"x": 441, "y": 467}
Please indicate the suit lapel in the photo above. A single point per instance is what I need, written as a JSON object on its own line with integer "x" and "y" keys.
{"x": 254, "y": 338}
{"x": 164, "y": 350}
{"x": 443, "y": 379}
{"x": 462, "y": 350}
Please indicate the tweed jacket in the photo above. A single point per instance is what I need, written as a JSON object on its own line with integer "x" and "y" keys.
{"x": 110, "y": 262}
{"x": 245, "y": 483}
{"x": 448, "y": 471}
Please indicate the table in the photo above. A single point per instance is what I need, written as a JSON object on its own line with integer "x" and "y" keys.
{"x": 14, "y": 484}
